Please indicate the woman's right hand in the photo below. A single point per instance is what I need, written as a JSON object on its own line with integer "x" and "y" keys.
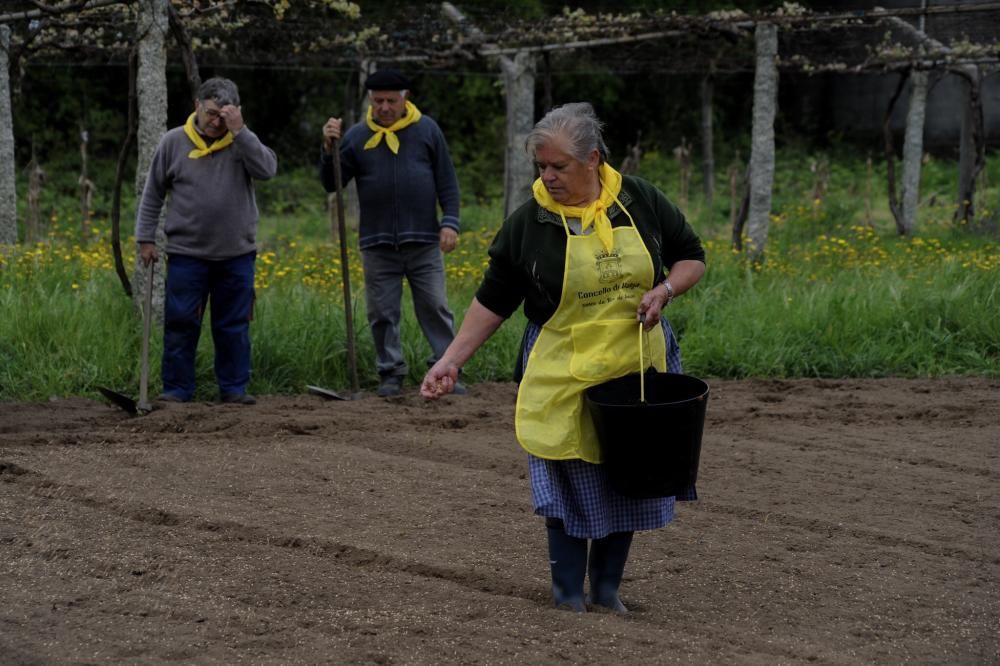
{"x": 439, "y": 380}
{"x": 478, "y": 324}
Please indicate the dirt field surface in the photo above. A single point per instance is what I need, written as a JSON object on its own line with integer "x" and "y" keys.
{"x": 840, "y": 522}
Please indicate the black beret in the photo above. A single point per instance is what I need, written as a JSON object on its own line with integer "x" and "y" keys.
{"x": 387, "y": 79}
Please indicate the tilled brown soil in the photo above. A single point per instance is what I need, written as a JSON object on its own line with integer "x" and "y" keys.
{"x": 841, "y": 522}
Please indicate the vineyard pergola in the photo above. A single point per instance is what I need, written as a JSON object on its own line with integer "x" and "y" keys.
{"x": 962, "y": 38}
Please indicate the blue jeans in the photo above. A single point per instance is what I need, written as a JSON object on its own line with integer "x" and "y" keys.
{"x": 192, "y": 284}
{"x": 422, "y": 265}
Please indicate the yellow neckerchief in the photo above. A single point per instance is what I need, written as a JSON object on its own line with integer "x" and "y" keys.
{"x": 201, "y": 148}
{"x": 411, "y": 116}
{"x": 597, "y": 212}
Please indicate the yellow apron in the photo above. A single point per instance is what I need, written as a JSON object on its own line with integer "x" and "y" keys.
{"x": 591, "y": 338}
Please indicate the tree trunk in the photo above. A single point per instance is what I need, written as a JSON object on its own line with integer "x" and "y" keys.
{"x": 519, "y": 89}
{"x": 913, "y": 150}
{"x": 972, "y": 147}
{"x": 547, "y": 99}
{"x": 738, "y": 217}
{"x": 765, "y": 100}
{"x": 36, "y": 178}
{"x": 682, "y": 154}
{"x": 519, "y": 86}
{"x": 358, "y": 107}
{"x": 890, "y": 156}
{"x": 186, "y": 48}
{"x": 868, "y": 191}
{"x": 85, "y": 187}
{"x": 707, "y": 144}
{"x": 8, "y": 170}
{"x": 151, "y": 89}
{"x": 633, "y": 157}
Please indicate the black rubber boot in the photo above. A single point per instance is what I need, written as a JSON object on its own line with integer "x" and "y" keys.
{"x": 607, "y": 565}
{"x": 568, "y": 559}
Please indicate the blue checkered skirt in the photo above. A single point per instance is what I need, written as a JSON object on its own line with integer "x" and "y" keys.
{"x": 578, "y": 493}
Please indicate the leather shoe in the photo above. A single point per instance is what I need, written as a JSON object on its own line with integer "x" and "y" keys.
{"x": 459, "y": 389}
{"x": 238, "y": 399}
{"x": 170, "y": 397}
{"x": 391, "y": 385}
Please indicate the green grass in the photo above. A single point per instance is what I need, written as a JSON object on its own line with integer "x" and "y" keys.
{"x": 839, "y": 294}
{"x": 55, "y": 340}
{"x": 861, "y": 324}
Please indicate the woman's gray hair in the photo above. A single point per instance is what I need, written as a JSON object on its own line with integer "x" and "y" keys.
{"x": 221, "y": 91}
{"x": 577, "y": 124}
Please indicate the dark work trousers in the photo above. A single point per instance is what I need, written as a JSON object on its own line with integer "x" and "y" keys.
{"x": 422, "y": 264}
{"x": 227, "y": 287}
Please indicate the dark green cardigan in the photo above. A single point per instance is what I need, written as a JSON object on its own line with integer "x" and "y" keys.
{"x": 527, "y": 256}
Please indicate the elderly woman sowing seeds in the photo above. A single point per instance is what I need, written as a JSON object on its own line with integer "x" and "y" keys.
{"x": 590, "y": 255}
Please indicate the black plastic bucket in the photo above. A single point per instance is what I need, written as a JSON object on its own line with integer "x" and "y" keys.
{"x": 652, "y": 448}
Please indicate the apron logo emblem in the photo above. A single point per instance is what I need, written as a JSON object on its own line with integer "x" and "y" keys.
{"x": 609, "y": 265}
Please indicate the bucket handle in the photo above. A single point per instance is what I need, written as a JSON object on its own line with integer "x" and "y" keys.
{"x": 642, "y": 369}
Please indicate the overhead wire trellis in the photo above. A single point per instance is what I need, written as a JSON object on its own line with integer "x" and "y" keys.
{"x": 311, "y": 33}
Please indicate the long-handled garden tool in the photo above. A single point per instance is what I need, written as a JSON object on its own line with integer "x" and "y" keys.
{"x": 352, "y": 363}
{"x": 120, "y": 399}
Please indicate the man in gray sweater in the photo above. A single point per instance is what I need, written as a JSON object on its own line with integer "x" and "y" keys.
{"x": 208, "y": 166}
{"x": 400, "y": 161}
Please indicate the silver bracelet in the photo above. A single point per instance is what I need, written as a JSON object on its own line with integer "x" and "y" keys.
{"x": 670, "y": 292}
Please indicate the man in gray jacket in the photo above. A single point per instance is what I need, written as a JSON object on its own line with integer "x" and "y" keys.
{"x": 400, "y": 161}
{"x": 208, "y": 166}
